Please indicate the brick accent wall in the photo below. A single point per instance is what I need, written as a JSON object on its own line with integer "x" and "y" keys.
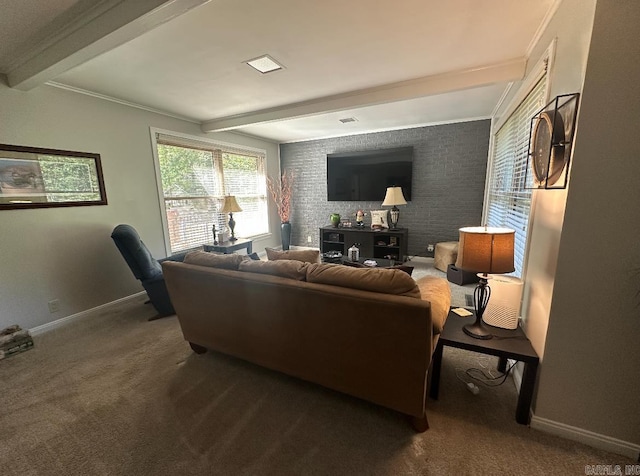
{"x": 449, "y": 168}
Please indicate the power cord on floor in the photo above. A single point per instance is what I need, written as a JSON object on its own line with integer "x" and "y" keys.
{"x": 473, "y": 388}
{"x": 489, "y": 380}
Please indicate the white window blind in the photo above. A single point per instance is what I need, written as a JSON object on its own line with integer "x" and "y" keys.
{"x": 195, "y": 178}
{"x": 508, "y": 201}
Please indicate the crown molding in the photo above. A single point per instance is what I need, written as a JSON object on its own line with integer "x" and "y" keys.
{"x": 104, "y": 97}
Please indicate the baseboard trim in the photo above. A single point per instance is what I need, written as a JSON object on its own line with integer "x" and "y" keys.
{"x": 590, "y": 438}
{"x": 49, "y": 326}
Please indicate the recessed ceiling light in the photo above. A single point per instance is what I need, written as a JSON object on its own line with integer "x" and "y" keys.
{"x": 344, "y": 120}
{"x": 264, "y": 64}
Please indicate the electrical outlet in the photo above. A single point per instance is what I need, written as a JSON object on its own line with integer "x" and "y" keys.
{"x": 430, "y": 248}
{"x": 309, "y": 239}
{"x": 54, "y": 306}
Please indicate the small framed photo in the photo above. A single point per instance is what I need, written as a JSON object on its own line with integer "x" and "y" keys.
{"x": 393, "y": 241}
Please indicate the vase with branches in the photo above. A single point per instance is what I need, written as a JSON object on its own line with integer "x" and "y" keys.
{"x": 280, "y": 190}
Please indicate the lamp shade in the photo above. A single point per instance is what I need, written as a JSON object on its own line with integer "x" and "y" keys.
{"x": 230, "y": 205}
{"x": 486, "y": 249}
{"x": 394, "y": 197}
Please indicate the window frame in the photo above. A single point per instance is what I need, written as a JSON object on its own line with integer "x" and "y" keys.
{"x": 186, "y": 139}
{"x": 541, "y": 71}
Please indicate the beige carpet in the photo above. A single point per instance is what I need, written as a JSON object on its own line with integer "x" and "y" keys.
{"x": 117, "y": 395}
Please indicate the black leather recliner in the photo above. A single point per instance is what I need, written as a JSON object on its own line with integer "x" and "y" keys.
{"x": 145, "y": 267}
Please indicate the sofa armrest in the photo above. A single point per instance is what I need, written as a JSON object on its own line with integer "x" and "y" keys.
{"x": 438, "y": 293}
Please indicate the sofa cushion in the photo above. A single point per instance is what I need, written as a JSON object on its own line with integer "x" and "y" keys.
{"x": 285, "y": 268}
{"x": 308, "y": 256}
{"x": 215, "y": 260}
{"x": 401, "y": 267}
{"x": 387, "y": 281}
{"x": 437, "y": 291}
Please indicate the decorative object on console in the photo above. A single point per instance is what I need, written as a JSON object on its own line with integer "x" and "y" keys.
{"x": 379, "y": 219}
{"x": 484, "y": 250}
{"x": 354, "y": 252}
{"x": 213, "y": 230}
{"x": 280, "y": 190}
{"x": 360, "y": 214}
{"x": 230, "y": 206}
{"x": 550, "y": 142}
{"x": 335, "y": 219}
{"x": 394, "y": 197}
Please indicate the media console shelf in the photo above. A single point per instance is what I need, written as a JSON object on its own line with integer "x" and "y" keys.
{"x": 387, "y": 244}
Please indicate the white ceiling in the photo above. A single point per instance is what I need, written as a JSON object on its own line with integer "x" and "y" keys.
{"x": 389, "y": 64}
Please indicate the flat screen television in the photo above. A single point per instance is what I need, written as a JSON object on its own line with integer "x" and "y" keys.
{"x": 365, "y": 176}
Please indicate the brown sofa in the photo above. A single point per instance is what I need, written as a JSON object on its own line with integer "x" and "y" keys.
{"x": 369, "y": 333}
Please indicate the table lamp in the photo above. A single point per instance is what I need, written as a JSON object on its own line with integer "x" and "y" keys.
{"x": 484, "y": 250}
{"x": 394, "y": 197}
{"x": 231, "y": 205}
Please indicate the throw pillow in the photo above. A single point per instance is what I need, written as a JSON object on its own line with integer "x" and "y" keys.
{"x": 387, "y": 281}
{"x": 285, "y": 268}
{"x": 401, "y": 267}
{"x": 254, "y": 256}
{"x": 379, "y": 219}
{"x": 307, "y": 256}
{"x": 214, "y": 260}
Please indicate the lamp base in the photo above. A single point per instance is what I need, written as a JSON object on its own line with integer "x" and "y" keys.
{"x": 477, "y": 330}
{"x": 232, "y": 225}
{"x": 480, "y": 300}
{"x": 395, "y": 214}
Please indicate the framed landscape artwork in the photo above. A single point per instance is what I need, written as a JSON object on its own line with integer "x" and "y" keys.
{"x": 31, "y": 177}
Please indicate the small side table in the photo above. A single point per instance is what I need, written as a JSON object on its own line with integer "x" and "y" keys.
{"x": 227, "y": 247}
{"x": 507, "y": 344}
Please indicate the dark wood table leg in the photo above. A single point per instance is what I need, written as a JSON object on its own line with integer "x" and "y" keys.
{"x": 526, "y": 392}
{"x": 502, "y": 364}
{"x": 435, "y": 371}
{"x": 419, "y": 424}
{"x": 249, "y": 248}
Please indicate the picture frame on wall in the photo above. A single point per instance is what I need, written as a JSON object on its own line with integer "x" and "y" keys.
{"x": 34, "y": 177}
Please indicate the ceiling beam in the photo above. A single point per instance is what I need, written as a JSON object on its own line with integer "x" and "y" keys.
{"x": 100, "y": 27}
{"x": 512, "y": 70}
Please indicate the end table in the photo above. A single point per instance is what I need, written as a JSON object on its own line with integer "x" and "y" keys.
{"x": 506, "y": 344}
{"x": 227, "y": 247}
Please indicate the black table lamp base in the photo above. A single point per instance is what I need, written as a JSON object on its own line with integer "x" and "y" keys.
{"x": 480, "y": 300}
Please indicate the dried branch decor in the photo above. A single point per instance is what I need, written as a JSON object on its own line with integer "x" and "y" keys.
{"x": 280, "y": 190}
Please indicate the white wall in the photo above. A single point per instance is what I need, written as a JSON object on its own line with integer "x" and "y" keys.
{"x": 67, "y": 253}
{"x": 590, "y": 377}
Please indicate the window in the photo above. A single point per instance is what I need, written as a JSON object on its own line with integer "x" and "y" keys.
{"x": 196, "y": 175}
{"x": 508, "y": 201}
